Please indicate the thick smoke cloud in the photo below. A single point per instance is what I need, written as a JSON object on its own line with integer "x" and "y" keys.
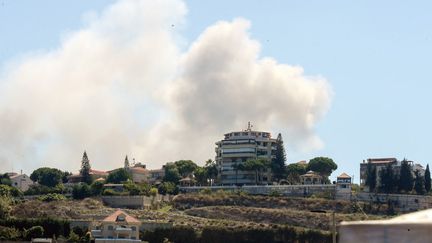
{"x": 122, "y": 86}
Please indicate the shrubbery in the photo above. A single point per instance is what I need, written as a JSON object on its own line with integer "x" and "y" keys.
{"x": 9, "y": 233}
{"x": 38, "y": 189}
{"x": 81, "y": 191}
{"x": 51, "y": 197}
{"x": 50, "y": 226}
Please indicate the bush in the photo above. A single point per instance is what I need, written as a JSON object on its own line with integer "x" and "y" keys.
{"x": 7, "y": 233}
{"x": 96, "y": 188}
{"x": 132, "y": 188}
{"x": 5, "y": 207}
{"x": 167, "y": 188}
{"x": 51, "y": 226}
{"x": 52, "y": 197}
{"x": 33, "y": 232}
{"x": 81, "y": 191}
{"x": 38, "y": 189}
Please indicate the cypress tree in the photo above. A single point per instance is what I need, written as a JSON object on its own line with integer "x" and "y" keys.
{"x": 278, "y": 163}
{"x": 85, "y": 169}
{"x": 388, "y": 179}
{"x": 406, "y": 179}
{"x": 126, "y": 163}
{"x": 427, "y": 179}
{"x": 371, "y": 177}
{"x": 419, "y": 183}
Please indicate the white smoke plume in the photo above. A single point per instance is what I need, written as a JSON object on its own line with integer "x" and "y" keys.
{"x": 121, "y": 85}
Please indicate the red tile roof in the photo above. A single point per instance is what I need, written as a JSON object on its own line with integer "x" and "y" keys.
{"x": 138, "y": 170}
{"x": 98, "y": 172}
{"x": 114, "y": 217}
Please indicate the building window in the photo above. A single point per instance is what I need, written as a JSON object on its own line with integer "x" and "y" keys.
{"x": 110, "y": 227}
{"x": 133, "y": 228}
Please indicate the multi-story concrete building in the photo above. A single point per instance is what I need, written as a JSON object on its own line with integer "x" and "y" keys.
{"x": 237, "y": 148}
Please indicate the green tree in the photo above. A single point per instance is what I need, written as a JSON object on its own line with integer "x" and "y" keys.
{"x": 85, "y": 169}
{"x": 388, "y": 179}
{"x": 118, "y": 176}
{"x": 96, "y": 188}
{"x": 419, "y": 183}
{"x": 322, "y": 165}
{"x": 211, "y": 169}
{"x": 81, "y": 191}
{"x": 132, "y": 188}
{"x": 49, "y": 177}
{"x": 406, "y": 180}
{"x": 5, "y": 180}
{"x": 65, "y": 176}
{"x": 427, "y": 179}
{"x": 126, "y": 163}
{"x": 201, "y": 176}
{"x": 185, "y": 167}
{"x": 172, "y": 173}
{"x": 371, "y": 177}
{"x": 256, "y": 165}
{"x": 167, "y": 188}
{"x": 278, "y": 163}
{"x": 5, "y": 206}
{"x": 294, "y": 171}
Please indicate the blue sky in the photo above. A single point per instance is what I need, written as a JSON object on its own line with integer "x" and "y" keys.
{"x": 375, "y": 55}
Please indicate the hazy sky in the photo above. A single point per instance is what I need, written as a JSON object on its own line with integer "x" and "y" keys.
{"x": 347, "y": 80}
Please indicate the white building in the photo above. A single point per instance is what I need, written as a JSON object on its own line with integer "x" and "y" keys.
{"x": 21, "y": 181}
{"x": 238, "y": 147}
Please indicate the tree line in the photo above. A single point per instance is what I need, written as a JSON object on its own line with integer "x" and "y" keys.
{"x": 389, "y": 180}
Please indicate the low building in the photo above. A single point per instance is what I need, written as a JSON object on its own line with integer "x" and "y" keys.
{"x": 139, "y": 173}
{"x": 95, "y": 174}
{"x": 311, "y": 178}
{"x": 21, "y": 181}
{"x": 378, "y": 164}
{"x": 119, "y": 226}
{"x": 156, "y": 176}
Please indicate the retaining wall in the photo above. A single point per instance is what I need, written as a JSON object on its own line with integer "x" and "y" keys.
{"x": 401, "y": 202}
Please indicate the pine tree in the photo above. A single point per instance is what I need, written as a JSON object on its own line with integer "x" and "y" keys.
{"x": 278, "y": 163}
{"x": 419, "y": 183}
{"x": 126, "y": 163}
{"x": 427, "y": 179}
{"x": 406, "y": 180}
{"x": 85, "y": 169}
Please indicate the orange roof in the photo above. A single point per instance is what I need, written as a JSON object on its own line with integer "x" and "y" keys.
{"x": 115, "y": 218}
{"x": 138, "y": 169}
{"x": 98, "y": 172}
{"x": 344, "y": 175}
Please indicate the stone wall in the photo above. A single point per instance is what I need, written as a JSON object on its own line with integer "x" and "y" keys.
{"x": 133, "y": 201}
{"x": 401, "y": 202}
{"x": 286, "y": 190}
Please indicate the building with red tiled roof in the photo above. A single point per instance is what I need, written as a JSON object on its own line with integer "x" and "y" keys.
{"x": 120, "y": 226}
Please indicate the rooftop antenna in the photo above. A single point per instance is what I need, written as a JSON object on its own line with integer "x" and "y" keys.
{"x": 249, "y": 127}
